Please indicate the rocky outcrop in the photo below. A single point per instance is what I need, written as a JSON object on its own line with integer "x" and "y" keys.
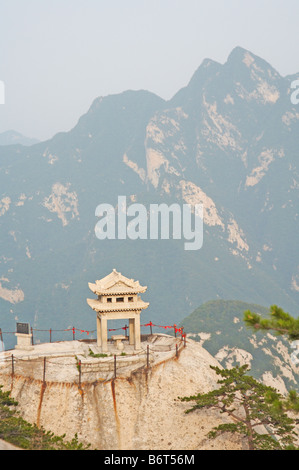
{"x": 139, "y": 410}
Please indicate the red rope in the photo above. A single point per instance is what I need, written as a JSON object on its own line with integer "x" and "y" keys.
{"x": 73, "y": 329}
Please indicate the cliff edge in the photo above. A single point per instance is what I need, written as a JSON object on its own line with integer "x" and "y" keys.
{"x": 137, "y": 410}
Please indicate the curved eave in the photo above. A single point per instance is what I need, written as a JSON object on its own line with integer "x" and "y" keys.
{"x": 100, "y": 291}
{"x": 108, "y": 293}
{"x": 114, "y": 307}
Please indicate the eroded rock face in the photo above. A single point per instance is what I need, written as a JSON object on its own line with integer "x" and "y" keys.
{"x": 63, "y": 202}
{"x": 228, "y": 140}
{"x": 139, "y": 410}
{"x": 13, "y": 296}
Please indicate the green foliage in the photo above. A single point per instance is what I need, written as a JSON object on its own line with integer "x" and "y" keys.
{"x": 251, "y": 405}
{"x": 17, "y": 431}
{"x": 280, "y": 322}
{"x": 292, "y": 402}
{"x": 92, "y": 354}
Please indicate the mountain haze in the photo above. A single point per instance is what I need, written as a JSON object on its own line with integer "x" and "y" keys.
{"x": 228, "y": 140}
{"x": 219, "y": 326}
{"x": 14, "y": 138}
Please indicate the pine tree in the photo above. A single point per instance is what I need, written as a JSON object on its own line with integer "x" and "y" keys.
{"x": 252, "y": 406}
{"x": 280, "y": 322}
{"x": 17, "y": 431}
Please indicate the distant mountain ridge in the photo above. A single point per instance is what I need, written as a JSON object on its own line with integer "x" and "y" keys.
{"x": 14, "y": 138}
{"x": 228, "y": 140}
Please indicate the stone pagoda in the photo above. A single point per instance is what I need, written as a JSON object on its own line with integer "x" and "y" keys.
{"x": 118, "y": 299}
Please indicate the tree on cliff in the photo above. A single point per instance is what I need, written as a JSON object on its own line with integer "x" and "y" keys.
{"x": 258, "y": 412}
{"x": 17, "y": 431}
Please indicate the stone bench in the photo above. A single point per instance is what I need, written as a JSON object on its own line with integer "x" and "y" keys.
{"x": 118, "y": 339}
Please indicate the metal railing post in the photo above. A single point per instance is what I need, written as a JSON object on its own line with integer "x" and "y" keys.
{"x": 44, "y": 374}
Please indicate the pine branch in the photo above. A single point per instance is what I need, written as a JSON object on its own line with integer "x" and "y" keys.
{"x": 280, "y": 322}
{"x": 249, "y": 404}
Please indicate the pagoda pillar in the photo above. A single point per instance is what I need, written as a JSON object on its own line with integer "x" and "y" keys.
{"x": 137, "y": 340}
{"x": 131, "y": 331}
{"x": 104, "y": 334}
{"x": 99, "y": 331}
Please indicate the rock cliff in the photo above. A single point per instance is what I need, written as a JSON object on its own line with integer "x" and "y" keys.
{"x": 138, "y": 410}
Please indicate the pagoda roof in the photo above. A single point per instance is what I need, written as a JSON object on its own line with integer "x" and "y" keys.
{"x": 115, "y": 283}
{"x": 116, "y": 307}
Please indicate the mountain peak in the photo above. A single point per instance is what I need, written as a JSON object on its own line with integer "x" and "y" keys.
{"x": 239, "y": 56}
{"x": 238, "y": 53}
{"x": 207, "y": 68}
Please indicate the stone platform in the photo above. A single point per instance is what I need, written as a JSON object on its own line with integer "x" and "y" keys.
{"x": 60, "y": 362}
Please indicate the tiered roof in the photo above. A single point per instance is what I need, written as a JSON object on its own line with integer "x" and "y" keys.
{"x": 116, "y": 284}
{"x": 117, "y": 307}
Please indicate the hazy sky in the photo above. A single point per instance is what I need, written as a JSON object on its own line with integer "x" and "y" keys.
{"x": 57, "y": 56}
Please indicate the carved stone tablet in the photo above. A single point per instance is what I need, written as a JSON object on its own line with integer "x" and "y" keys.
{"x": 23, "y": 328}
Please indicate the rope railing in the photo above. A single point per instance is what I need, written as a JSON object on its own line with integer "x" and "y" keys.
{"x": 177, "y": 330}
{"x": 114, "y": 364}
